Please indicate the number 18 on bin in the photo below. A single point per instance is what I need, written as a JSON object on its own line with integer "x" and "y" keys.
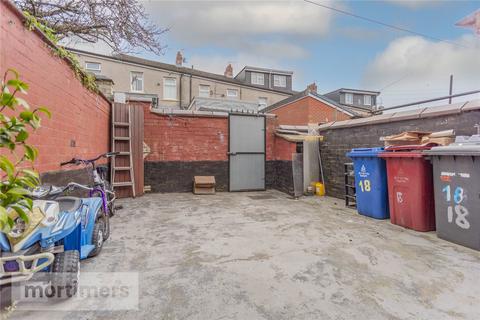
{"x": 456, "y": 211}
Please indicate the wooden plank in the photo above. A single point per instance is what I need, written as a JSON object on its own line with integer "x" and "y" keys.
{"x": 121, "y": 130}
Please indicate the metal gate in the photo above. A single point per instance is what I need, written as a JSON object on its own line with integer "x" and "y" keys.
{"x": 246, "y": 152}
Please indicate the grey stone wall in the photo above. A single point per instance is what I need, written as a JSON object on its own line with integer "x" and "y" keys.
{"x": 338, "y": 141}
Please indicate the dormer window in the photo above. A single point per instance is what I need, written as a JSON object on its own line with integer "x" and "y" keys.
{"x": 258, "y": 78}
{"x": 367, "y": 100}
{"x": 279, "y": 81}
{"x": 348, "y": 98}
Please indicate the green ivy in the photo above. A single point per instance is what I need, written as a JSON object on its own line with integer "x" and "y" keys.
{"x": 15, "y": 128}
{"x": 87, "y": 79}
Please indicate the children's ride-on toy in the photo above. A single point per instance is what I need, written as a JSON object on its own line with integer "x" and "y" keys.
{"x": 60, "y": 232}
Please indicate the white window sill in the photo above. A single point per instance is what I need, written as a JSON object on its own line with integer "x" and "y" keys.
{"x": 131, "y": 91}
{"x": 175, "y": 100}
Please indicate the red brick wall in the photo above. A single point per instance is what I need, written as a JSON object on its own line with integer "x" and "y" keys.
{"x": 186, "y": 138}
{"x": 77, "y": 114}
{"x": 295, "y": 113}
{"x": 284, "y": 149}
{"x": 307, "y": 110}
{"x": 176, "y": 138}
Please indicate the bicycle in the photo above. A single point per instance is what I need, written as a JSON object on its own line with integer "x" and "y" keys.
{"x": 101, "y": 187}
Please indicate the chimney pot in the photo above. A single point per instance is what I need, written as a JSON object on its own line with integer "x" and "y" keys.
{"x": 312, "y": 87}
{"x": 228, "y": 71}
{"x": 179, "y": 59}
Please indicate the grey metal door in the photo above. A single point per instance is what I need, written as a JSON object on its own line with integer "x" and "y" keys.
{"x": 246, "y": 152}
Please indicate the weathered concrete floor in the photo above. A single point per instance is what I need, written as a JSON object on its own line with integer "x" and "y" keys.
{"x": 228, "y": 256}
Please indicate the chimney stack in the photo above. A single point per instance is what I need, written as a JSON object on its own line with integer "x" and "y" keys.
{"x": 228, "y": 71}
{"x": 312, "y": 87}
{"x": 179, "y": 59}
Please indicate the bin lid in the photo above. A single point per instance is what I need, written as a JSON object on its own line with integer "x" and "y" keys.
{"x": 463, "y": 146}
{"x": 406, "y": 151}
{"x": 365, "y": 152}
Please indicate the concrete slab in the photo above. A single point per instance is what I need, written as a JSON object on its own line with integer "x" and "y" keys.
{"x": 443, "y": 110}
{"x": 471, "y": 105}
{"x": 381, "y": 118}
{"x": 407, "y": 115}
{"x": 264, "y": 256}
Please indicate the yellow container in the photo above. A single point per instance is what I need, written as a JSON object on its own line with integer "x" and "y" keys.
{"x": 319, "y": 189}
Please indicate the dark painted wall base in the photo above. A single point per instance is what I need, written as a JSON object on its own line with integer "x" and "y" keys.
{"x": 279, "y": 176}
{"x": 177, "y": 176}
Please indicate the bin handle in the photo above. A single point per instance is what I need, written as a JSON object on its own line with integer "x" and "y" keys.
{"x": 366, "y": 149}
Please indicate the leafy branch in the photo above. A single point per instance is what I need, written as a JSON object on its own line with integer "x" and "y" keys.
{"x": 16, "y": 171}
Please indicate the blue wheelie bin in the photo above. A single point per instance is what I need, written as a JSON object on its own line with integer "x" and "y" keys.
{"x": 370, "y": 182}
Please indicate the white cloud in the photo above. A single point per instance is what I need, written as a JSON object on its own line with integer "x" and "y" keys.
{"x": 270, "y": 34}
{"x": 421, "y": 69}
{"x": 197, "y": 22}
{"x": 264, "y": 28}
{"x": 414, "y": 4}
{"x": 217, "y": 63}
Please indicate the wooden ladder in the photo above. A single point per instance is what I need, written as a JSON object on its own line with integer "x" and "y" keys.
{"x": 117, "y": 170}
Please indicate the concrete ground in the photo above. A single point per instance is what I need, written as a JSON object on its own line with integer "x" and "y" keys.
{"x": 264, "y": 256}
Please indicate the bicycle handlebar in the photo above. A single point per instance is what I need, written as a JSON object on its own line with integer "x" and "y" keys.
{"x": 78, "y": 161}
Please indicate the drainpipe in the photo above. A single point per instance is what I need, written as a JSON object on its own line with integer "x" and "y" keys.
{"x": 181, "y": 77}
{"x": 190, "y": 94}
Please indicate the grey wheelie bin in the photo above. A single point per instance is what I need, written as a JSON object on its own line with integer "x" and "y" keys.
{"x": 456, "y": 176}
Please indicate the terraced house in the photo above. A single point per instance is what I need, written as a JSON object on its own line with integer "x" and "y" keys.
{"x": 176, "y": 86}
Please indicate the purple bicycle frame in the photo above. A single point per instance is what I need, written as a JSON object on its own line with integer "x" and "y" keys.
{"x": 96, "y": 190}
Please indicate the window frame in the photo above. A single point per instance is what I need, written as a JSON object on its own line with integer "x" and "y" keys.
{"x": 280, "y": 84}
{"x": 348, "y": 101}
{"x": 165, "y": 85}
{"x": 132, "y": 73}
{"x": 200, "y": 90}
{"x": 230, "y": 96}
{"x": 254, "y": 75}
{"x": 369, "y": 100}
{"x": 93, "y": 70}
{"x": 260, "y": 104}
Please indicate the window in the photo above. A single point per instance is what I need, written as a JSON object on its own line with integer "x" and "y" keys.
{"x": 169, "y": 89}
{"x": 232, "y": 93}
{"x": 94, "y": 67}
{"x": 348, "y": 98}
{"x": 258, "y": 78}
{"x": 203, "y": 91}
{"x": 367, "y": 100}
{"x": 136, "y": 81}
{"x": 279, "y": 81}
{"x": 262, "y": 102}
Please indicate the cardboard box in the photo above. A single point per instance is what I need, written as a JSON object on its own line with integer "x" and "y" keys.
{"x": 204, "y": 185}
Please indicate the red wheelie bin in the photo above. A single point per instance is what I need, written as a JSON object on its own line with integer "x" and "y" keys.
{"x": 410, "y": 187}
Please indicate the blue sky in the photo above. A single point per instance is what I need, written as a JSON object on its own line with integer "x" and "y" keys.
{"x": 329, "y": 48}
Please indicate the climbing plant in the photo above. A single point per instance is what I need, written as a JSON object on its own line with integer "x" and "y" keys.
{"x": 88, "y": 80}
{"x": 17, "y": 122}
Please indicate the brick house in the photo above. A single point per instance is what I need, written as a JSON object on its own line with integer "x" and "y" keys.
{"x": 309, "y": 107}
